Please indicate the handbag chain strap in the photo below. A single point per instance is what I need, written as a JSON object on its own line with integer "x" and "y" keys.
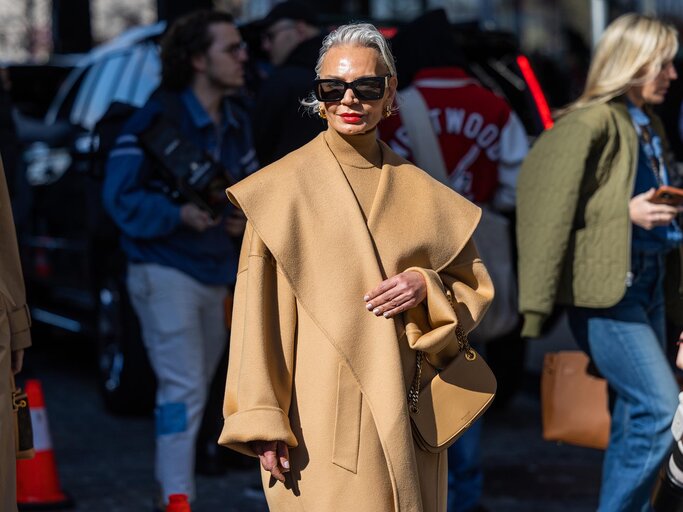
{"x": 18, "y": 396}
{"x": 463, "y": 346}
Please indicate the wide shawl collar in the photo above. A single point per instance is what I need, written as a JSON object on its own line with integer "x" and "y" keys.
{"x": 305, "y": 212}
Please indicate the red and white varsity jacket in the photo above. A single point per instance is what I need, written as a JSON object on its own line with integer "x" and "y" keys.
{"x": 482, "y": 140}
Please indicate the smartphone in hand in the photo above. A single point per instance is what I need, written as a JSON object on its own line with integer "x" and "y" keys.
{"x": 665, "y": 194}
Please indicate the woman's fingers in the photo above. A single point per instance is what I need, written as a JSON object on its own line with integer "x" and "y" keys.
{"x": 274, "y": 457}
{"x": 270, "y": 463}
{"x": 283, "y": 456}
{"x": 662, "y": 216}
{"x": 679, "y": 355}
{"x": 647, "y": 214}
{"x": 396, "y": 294}
{"x": 405, "y": 306}
{"x": 381, "y": 289}
{"x": 383, "y": 304}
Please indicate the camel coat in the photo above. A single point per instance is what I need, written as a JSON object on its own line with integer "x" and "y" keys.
{"x": 14, "y": 335}
{"x": 309, "y": 365}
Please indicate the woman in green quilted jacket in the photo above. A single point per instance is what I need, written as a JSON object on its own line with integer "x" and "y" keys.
{"x": 593, "y": 237}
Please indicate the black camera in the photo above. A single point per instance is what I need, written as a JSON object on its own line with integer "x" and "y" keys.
{"x": 188, "y": 172}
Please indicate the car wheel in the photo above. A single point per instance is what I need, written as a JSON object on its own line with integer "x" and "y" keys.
{"x": 126, "y": 378}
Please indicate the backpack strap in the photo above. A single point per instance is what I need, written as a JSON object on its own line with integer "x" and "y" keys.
{"x": 424, "y": 144}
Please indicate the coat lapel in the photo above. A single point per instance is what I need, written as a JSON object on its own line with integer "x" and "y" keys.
{"x": 414, "y": 217}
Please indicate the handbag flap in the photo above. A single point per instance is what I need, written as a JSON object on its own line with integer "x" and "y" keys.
{"x": 453, "y": 400}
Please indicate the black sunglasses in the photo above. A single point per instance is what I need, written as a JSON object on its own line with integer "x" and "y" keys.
{"x": 367, "y": 88}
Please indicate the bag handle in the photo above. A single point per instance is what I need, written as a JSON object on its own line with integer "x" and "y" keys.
{"x": 463, "y": 346}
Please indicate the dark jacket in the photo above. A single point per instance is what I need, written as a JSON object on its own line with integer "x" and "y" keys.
{"x": 281, "y": 124}
{"x": 151, "y": 229}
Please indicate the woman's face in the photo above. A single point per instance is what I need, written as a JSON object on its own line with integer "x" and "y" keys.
{"x": 350, "y": 115}
{"x": 654, "y": 91}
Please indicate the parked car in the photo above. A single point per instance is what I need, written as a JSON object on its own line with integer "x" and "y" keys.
{"x": 74, "y": 268}
{"x": 72, "y": 264}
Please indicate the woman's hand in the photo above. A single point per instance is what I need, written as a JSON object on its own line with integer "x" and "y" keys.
{"x": 679, "y": 355}
{"x": 397, "y": 294}
{"x": 647, "y": 214}
{"x": 274, "y": 457}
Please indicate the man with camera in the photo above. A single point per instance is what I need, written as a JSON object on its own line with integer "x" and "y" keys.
{"x": 164, "y": 189}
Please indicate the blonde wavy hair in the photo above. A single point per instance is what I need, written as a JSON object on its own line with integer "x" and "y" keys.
{"x": 632, "y": 51}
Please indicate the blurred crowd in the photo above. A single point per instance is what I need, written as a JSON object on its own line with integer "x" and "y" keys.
{"x": 219, "y": 115}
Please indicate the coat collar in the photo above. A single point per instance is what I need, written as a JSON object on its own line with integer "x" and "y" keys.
{"x": 309, "y": 219}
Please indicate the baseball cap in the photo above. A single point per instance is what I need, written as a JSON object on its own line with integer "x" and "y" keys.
{"x": 290, "y": 10}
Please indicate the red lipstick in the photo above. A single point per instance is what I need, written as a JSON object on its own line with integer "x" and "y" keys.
{"x": 351, "y": 117}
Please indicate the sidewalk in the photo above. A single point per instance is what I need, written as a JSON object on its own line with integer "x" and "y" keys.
{"x": 105, "y": 462}
{"x": 524, "y": 473}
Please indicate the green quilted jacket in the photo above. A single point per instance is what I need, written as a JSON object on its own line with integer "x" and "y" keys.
{"x": 573, "y": 226}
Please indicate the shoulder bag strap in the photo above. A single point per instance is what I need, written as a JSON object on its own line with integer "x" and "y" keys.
{"x": 424, "y": 144}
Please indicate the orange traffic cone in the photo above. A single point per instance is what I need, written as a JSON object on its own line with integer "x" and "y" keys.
{"x": 178, "y": 503}
{"x": 37, "y": 480}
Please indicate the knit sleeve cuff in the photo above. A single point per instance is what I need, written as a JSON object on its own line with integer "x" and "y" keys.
{"x": 533, "y": 322}
{"x": 257, "y": 424}
{"x": 431, "y": 325}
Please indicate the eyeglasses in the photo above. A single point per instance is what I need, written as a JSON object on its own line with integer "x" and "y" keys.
{"x": 236, "y": 48}
{"x": 367, "y": 88}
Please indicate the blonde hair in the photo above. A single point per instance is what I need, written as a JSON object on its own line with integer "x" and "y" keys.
{"x": 632, "y": 51}
{"x": 364, "y": 35}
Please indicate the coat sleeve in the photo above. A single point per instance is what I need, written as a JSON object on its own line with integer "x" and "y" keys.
{"x": 431, "y": 326}
{"x": 260, "y": 367}
{"x": 12, "y": 291}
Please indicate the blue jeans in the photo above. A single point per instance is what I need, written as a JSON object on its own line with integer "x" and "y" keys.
{"x": 465, "y": 472}
{"x": 626, "y": 343}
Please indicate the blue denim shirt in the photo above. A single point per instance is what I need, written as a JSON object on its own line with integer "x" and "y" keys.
{"x": 149, "y": 220}
{"x": 661, "y": 238}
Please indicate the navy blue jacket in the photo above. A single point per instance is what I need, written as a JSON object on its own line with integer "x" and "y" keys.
{"x": 149, "y": 220}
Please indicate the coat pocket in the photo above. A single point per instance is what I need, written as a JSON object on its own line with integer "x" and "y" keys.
{"x": 347, "y": 421}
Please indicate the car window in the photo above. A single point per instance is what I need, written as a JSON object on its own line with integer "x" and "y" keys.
{"x": 96, "y": 88}
{"x": 148, "y": 76}
{"x": 128, "y": 77}
{"x": 65, "y": 100}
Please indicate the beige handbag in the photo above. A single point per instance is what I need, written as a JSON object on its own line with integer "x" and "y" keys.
{"x": 573, "y": 402}
{"x": 457, "y": 396}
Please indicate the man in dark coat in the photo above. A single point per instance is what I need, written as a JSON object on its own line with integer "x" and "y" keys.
{"x": 292, "y": 41}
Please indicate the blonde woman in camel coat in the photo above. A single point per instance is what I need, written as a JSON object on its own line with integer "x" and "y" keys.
{"x": 347, "y": 256}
